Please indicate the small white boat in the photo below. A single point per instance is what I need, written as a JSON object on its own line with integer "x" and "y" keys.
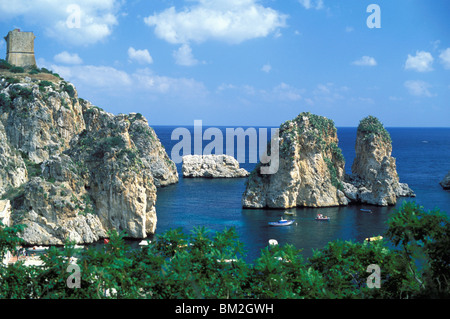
{"x": 37, "y": 248}
{"x": 281, "y": 222}
{"x": 273, "y": 242}
{"x": 289, "y": 213}
{"x": 366, "y": 210}
{"x": 144, "y": 243}
{"x": 320, "y": 217}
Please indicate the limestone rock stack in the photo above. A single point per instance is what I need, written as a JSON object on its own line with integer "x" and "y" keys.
{"x": 311, "y": 168}
{"x": 310, "y": 172}
{"x": 374, "y": 176}
{"x": 212, "y": 166}
{"x": 73, "y": 171}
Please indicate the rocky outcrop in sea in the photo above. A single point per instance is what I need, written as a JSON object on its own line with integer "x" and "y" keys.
{"x": 310, "y": 172}
{"x": 374, "y": 179}
{"x": 312, "y": 168}
{"x": 445, "y": 183}
{"x": 70, "y": 169}
{"x": 212, "y": 166}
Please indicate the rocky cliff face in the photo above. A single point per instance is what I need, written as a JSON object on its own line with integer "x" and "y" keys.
{"x": 374, "y": 174}
{"x": 212, "y": 166}
{"x": 73, "y": 171}
{"x": 311, "y": 168}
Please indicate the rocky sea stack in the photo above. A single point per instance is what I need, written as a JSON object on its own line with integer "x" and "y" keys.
{"x": 312, "y": 168}
{"x": 374, "y": 176}
{"x": 445, "y": 183}
{"x": 212, "y": 166}
{"x": 71, "y": 170}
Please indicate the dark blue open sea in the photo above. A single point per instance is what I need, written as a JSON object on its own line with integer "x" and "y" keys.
{"x": 422, "y": 157}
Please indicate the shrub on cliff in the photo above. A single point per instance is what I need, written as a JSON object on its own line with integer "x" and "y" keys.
{"x": 5, "y": 65}
{"x": 371, "y": 125}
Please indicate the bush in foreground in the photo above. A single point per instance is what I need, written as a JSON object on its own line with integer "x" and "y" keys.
{"x": 204, "y": 264}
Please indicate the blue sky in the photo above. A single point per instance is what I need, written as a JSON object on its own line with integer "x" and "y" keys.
{"x": 247, "y": 62}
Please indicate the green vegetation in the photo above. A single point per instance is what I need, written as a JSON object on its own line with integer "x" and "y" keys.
{"x": 68, "y": 88}
{"x": 33, "y": 169}
{"x": 44, "y": 70}
{"x": 44, "y": 84}
{"x": 20, "y": 91}
{"x": 5, "y": 65}
{"x": 17, "y": 69}
{"x": 414, "y": 263}
{"x": 5, "y": 101}
{"x": 372, "y": 126}
{"x": 321, "y": 129}
{"x": 333, "y": 174}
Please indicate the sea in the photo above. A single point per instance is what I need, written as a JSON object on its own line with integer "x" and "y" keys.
{"x": 422, "y": 158}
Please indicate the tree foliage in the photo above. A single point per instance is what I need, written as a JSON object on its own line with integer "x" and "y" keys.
{"x": 414, "y": 263}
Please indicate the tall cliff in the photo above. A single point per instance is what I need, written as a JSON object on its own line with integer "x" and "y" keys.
{"x": 71, "y": 170}
{"x": 311, "y": 168}
{"x": 374, "y": 176}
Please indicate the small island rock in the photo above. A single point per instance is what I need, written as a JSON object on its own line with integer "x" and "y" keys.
{"x": 445, "y": 183}
{"x": 374, "y": 172}
{"x": 212, "y": 166}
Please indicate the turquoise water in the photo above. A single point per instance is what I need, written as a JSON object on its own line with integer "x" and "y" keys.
{"x": 423, "y": 159}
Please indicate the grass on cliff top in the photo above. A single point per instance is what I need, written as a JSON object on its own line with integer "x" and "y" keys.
{"x": 371, "y": 125}
{"x": 41, "y": 74}
{"x": 321, "y": 123}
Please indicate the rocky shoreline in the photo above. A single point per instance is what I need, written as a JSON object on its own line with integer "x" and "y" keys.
{"x": 73, "y": 171}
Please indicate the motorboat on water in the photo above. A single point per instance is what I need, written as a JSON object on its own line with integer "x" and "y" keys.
{"x": 38, "y": 248}
{"x": 366, "y": 210}
{"x": 144, "y": 242}
{"x": 373, "y": 238}
{"x": 282, "y": 222}
{"x": 320, "y": 217}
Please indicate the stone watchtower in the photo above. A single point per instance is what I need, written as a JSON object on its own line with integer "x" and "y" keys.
{"x": 20, "y": 48}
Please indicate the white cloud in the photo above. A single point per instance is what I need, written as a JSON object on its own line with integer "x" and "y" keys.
{"x": 365, "y": 61}
{"x": 231, "y": 21}
{"x": 445, "y": 58}
{"x": 421, "y": 62}
{"x": 287, "y": 92}
{"x": 83, "y": 23}
{"x": 94, "y": 76}
{"x": 349, "y": 29}
{"x": 113, "y": 81}
{"x": 312, "y": 4}
{"x": 183, "y": 56}
{"x": 266, "y": 68}
{"x": 184, "y": 87}
{"x": 418, "y": 88}
{"x": 140, "y": 56}
{"x": 67, "y": 58}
